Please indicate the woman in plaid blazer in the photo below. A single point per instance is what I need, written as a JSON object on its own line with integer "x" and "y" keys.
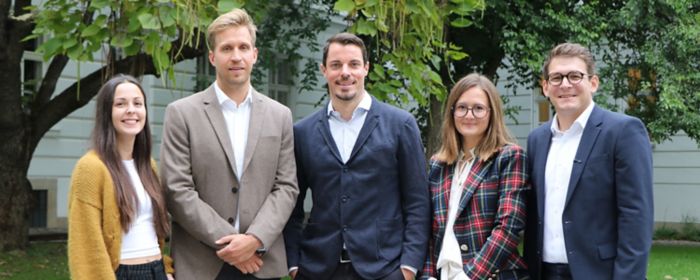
{"x": 478, "y": 181}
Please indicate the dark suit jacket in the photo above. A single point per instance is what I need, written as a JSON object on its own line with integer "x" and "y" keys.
{"x": 491, "y": 213}
{"x": 608, "y": 215}
{"x": 204, "y": 194}
{"x": 377, "y": 202}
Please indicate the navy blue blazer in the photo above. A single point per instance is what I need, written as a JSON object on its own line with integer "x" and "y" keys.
{"x": 377, "y": 203}
{"x": 608, "y": 215}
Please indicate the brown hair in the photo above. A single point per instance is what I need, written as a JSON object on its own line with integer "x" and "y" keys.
{"x": 497, "y": 134}
{"x": 570, "y": 50}
{"x": 346, "y": 39}
{"x": 104, "y": 143}
{"x": 234, "y": 18}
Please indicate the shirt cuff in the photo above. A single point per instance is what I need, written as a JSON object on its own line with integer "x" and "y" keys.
{"x": 415, "y": 271}
{"x": 293, "y": 268}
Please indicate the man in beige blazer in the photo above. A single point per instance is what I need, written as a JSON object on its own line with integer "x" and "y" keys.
{"x": 228, "y": 167}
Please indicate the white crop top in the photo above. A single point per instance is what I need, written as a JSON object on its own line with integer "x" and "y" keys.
{"x": 141, "y": 240}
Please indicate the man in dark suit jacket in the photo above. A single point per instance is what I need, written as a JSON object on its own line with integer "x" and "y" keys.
{"x": 364, "y": 163}
{"x": 591, "y": 210}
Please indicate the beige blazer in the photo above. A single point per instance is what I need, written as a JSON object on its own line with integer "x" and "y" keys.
{"x": 203, "y": 192}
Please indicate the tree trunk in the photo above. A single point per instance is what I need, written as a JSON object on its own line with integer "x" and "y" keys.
{"x": 434, "y": 126}
{"x": 16, "y": 199}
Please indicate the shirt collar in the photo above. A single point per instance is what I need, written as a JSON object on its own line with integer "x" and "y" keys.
{"x": 579, "y": 123}
{"x": 364, "y": 105}
{"x": 222, "y": 97}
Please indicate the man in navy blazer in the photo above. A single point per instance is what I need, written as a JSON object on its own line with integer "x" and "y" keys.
{"x": 591, "y": 209}
{"x": 364, "y": 164}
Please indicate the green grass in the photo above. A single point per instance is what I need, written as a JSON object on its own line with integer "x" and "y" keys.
{"x": 674, "y": 262}
{"x": 47, "y": 260}
{"x": 42, "y": 260}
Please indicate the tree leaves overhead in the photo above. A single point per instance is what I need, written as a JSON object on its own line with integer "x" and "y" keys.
{"x": 80, "y": 28}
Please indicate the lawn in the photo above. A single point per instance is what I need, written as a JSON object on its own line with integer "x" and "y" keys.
{"x": 47, "y": 260}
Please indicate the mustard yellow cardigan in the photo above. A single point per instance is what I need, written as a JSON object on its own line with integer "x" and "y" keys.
{"x": 94, "y": 230}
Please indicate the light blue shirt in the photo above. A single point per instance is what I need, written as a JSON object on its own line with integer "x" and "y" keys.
{"x": 344, "y": 132}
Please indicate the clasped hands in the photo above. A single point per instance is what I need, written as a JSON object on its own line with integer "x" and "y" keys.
{"x": 239, "y": 251}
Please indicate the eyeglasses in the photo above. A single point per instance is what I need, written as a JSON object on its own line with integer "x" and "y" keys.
{"x": 478, "y": 111}
{"x": 574, "y": 78}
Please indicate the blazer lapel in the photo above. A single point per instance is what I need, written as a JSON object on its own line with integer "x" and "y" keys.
{"x": 371, "y": 121}
{"x": 476, "y": 175}
{"x": 212, "y": 109}
{"x": 325, "y": 130}
{"x": 258, "y": 109}
{"x": 588, "y": 139}
{"x": 542, "y": 141}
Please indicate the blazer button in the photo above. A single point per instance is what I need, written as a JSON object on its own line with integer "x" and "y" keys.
{"x": 230, "y": 220}
{"x": 234, "y": 190}
{"x": 464, "y": 247}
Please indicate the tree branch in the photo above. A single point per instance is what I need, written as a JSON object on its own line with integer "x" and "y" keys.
{"x": 70, "y": 99}
{"x": 49, "y": 81}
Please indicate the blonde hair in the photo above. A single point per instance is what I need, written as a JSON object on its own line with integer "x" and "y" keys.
{"x": 496, "y": 135}
{"x": 234, "y": 18}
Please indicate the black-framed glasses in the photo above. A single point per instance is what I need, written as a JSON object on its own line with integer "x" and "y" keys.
{"x": 574, "y": 78}
{"x": 478, "y": 111}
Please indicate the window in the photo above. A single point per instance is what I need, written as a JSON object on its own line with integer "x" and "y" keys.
{"x": 38, "y": 215}
{"x": 280, "y": 83}
{"x": 206, "y": 73}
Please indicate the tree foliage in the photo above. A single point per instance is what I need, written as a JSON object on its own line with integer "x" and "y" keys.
{"x": 412, "y": 55}
{"x": 127, "y": 36}
{"x": 647, "y": 50}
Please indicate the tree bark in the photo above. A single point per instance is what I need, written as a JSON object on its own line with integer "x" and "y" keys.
{"x": 16, "y": 199}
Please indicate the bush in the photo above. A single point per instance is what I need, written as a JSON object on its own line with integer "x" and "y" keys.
{"x": 665, "y": 233}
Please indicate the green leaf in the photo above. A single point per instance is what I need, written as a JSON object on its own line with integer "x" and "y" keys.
{"x": 461, "y": 22}
{"x": 122, "y": 41}
{"x": 344, "y": 5}
{"x": 365, "y": 28}
{"x": 69, "y": 42}
{"x": 91, "y": 30}
{"x": 165, "y": 16}
{"x": 99, "y": 4}
{"x": 435, "y": 77}
{"x": 50, "y": 47}
{"x": 225, "y": 6}
{"x": 74, "y": 52}
{"x": 148, "y": 21}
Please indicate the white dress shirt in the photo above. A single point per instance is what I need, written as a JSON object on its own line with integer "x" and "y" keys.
{"x": 450, "y": 257}
{"x": 560, "y": 162}
{"x": 237, "y": 118}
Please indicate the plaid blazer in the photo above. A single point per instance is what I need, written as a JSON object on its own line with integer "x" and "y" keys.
{"x": 490, "y": 217}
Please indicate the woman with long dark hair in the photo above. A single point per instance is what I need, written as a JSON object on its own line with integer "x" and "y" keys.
{"x": 117, "y": 214}
{"x": 477, "y": 182}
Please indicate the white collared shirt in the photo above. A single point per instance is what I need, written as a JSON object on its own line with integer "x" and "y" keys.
{"x": 450, "y": 257}
{"x": 237, "y": 118}
{"x": 560, "y": 162}
{"x": 344, "y": 132}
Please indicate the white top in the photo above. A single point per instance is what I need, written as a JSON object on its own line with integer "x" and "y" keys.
{"x": 560, "y": 162}
{"x": 237, "y": 118}
{"x": 344, "y": 132}
{"x": 141, "y": 240}
{"x": 450, "y": 258}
